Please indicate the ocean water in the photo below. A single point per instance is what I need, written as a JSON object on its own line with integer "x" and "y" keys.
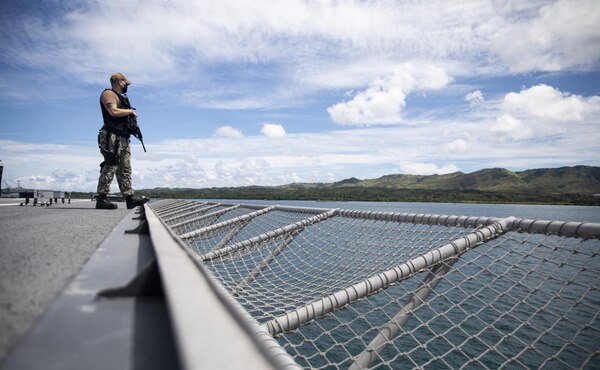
{"x": 534, "y": 315}
{"x": 537, "y": 212}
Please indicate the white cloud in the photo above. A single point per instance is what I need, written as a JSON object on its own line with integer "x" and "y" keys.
{"x": 314, "y": 45}
{"x": 509, "y": 127}
{"x": 563, "y": 34}
{"x": 383, "y": 101}
{"x": 414, "y": 168}
{"x": 228, "y": 132}
{"x": 167, "y": 39}
{"x": 474, "y": 98}
{"x": 307, "y": 157}
{"x": 273, "y": 130}
{"x": 458, "y": 146}
{"x": 331, "y": 74}
{"x": 548, "y": 103}
{"x": 234, "y": 100}
{"x": 543, "y": 111}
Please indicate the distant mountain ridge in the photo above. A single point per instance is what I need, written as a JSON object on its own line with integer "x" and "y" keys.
{"x": 563, "y": 180}
{"x": 579, "y": 185}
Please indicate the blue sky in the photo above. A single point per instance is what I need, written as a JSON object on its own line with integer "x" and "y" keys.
{"x": 233, "y": 93}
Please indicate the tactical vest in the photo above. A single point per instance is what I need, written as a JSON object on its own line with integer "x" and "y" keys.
{"x": 118, "y": 124}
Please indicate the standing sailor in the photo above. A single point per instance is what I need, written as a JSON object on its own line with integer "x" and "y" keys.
{"x": 113, "y": 141}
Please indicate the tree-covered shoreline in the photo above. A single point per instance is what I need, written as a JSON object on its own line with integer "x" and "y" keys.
{"x": 577, "y": 185}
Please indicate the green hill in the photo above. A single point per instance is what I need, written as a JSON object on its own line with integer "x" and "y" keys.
{"x": 565, "y": 185}
{"x": 564, "y": 180}
{"x": 578, "y": 179}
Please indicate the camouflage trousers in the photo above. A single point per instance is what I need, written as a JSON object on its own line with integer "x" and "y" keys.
{"x": 117, "y": 160}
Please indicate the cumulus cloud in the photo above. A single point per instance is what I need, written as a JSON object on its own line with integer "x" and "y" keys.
{"x": 548, "y": 103}
{"x": 415, "y": 168}
{"x": 458, "y": 146}
{"x": 273, "y": 130}
{"x": 508, "y": 127}
{"x": 538, "y": 110}
{"x": 562, "y": 34}
{"x": 384, "y": 99}
{"x": 61, "y": 180}
{"x": 49, "y": 165}
{"x": 228, "y": 132}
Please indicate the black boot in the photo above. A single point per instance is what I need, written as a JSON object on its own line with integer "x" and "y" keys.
{"x": 103, "y": 203}
{"x": 133, "y": 202}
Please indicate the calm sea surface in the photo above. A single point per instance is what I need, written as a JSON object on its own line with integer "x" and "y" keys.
{"x": 538, "y": 212}
{"x": 545, "y": 318}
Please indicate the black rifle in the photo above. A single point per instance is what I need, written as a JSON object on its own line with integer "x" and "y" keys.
{"x": 134, "y": 129}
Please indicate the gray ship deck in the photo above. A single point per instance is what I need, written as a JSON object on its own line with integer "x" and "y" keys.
{"x": 79, "y": 251}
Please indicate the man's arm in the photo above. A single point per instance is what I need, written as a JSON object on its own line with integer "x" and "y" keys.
{"x": 111, "y": 102}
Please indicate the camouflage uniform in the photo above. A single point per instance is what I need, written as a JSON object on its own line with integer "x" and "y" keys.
{"x": 117, "y": 159}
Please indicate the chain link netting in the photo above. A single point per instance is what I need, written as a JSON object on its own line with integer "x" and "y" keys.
{"x": 514, "y": 300}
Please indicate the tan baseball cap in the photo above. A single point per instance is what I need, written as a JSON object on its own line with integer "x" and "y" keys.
{"x": 119, "y": 77}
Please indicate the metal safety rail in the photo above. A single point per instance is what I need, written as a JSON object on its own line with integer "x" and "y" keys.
{"x": 333, "y": 288}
